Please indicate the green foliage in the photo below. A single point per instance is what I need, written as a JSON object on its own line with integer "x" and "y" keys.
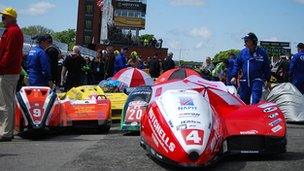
{"x": 189, "y": 64}
{"x": 36, "y": 29}
{"x": 66, "y": 36}
{"x": 1, "y": 25}
{"x": 148, "y": 37}
{"x": 223, "y": 55}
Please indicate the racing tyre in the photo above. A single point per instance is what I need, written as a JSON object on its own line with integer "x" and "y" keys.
{"x": 105, "y": 129}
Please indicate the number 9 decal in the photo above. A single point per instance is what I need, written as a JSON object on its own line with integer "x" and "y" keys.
{"x": 36, "y": 113}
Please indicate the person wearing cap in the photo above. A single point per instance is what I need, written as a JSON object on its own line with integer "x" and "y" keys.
{"x": 11, "y": 44}
{"x": 297, "y": 68}
{"x": 37, "y": 62}
{"x": 168, "y": 63}
{"x": 121, "y": 60}
{"x": 254, "y": 63}
{"x": 53, "y": 53}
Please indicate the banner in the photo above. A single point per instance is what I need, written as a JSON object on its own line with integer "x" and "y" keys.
{"x": 125, "y": 5}
{"x": 129, "y": 22}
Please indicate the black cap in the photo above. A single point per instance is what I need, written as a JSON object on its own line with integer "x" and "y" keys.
{"x": 49, "y": 38}
{"x": 300, "y": 46}
{"x": 39, "y": 38}
{"x": 251, "y": 36}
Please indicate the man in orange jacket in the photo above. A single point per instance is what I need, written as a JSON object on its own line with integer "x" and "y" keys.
{"x": 11, "y": 44}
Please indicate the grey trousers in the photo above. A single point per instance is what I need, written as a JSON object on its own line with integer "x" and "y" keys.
{"x": 8, "y": 85}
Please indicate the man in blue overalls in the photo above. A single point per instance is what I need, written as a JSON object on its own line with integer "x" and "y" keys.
{"x": 297, "y": 68}
{"x": 255, "y": 66}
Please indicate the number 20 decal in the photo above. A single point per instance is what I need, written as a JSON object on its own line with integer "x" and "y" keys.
{"x": 193, "y": 136}
{"x": 135, "y": 114}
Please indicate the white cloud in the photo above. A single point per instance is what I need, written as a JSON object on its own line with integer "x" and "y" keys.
{"x": 300, "y": 1}
{"x": 199, "y": 45}
{"x": 272, "y": 39}
{"x": 39, "y": 8}
{"x": 201, "y": 32}
{"x": 187, "y": 2}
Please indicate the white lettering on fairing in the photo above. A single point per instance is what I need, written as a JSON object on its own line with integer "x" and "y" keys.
{"x": 160, "y": 134}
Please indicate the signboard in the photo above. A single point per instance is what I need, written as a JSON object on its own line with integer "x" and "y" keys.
{"x": 126, "y": 5}
{"x": 129, "y": 22}
{"x": 276, "y": 48}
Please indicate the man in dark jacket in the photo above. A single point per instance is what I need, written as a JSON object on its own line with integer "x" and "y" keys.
{"x": 71, "y": 69}
{"x": 11, "y": 44}
{"x": 53, "y": 53}
{"x": 109, "y": 62}
{"x": 168, "y": 63}
{"x": 154, "y": 66}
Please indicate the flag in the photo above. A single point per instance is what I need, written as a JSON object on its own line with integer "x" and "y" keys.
{"x": 100, "y": 4}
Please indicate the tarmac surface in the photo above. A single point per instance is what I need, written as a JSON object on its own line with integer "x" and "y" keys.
{"x": 89, "y": 150}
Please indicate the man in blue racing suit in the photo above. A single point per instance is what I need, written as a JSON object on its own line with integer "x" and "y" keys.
{"x": 297, "y": 68}
{"x": 37, "y": 63}
{"x": 255, "y": 66}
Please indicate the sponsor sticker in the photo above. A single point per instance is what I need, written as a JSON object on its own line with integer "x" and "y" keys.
{"x": 270, "y": 109}
{"x": 250, "y": 132}
{"x": 276, "y": 128}
{"x": 272, "y": 116}
{"x": 275, "y": 122}
{"x": 184, "y": 115}
{"x": 266, "y": 105}
{"x": 249, "y": 152}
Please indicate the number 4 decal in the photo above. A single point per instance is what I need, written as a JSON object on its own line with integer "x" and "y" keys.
{"x": 193, "y": 136}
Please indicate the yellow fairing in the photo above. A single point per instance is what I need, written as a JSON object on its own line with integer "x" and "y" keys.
{"x": 118, "y": 101}
{"x": 84, "y": 92}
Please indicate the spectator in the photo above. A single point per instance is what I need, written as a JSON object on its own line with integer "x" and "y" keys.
{"x": 230, "y": 62}
{"x": 37, "y": 63}
{"x": 255, "y": 66}
{"x": 209, "y": 65}
{"x": 11, "y": 44}
{"x": 110, "y": 62}
{"x": 283, "y": 70}
{"x": 297, "y": 68}
{"x": 71, "y": 69}
{"x": 121, "y": 60}
{"x": 53, "y": 53}
{"x": 133, "y": 61}
{"x": 98, "y": 68}
{"x": 86, "y": 72}
{"x": 168, "y": 63}
{"x": 154, "y": 67}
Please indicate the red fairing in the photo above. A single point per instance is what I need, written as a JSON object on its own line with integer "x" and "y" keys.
{"x": 193, "y": 122}
{"x": 159, "y": 136}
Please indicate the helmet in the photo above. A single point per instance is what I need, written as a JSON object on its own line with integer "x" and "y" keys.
{"x": 116, "y": 52}
{"x": 134, "y": 53}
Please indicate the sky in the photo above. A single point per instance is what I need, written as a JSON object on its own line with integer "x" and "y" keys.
{"x": 191, "y": 29}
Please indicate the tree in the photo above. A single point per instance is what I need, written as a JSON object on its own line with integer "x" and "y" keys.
{"x": 223, "y": 55}
{"x": 36, "y": 29}
{"x": 148, "y": 37}
{"x": 66, "y": 36}
{"x": 1, "y": 25}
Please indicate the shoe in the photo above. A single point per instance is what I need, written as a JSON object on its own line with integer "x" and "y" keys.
{"x": 5, "y": 139}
